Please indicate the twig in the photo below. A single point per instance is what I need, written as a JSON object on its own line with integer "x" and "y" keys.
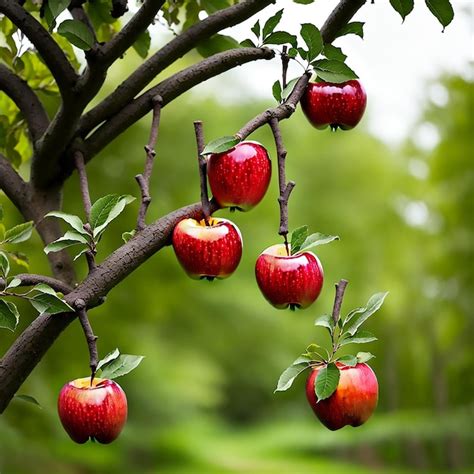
{"x": 340, "y": 288}
{"x": 83, "y": 182}
{"x": 198, "y": 130}
{"x": 284, "y": 66}
{"x": 285, "y": 188}
{"x": 143, "y": 180}
{"x": 91, "y": 338}
{"x": 30, "y": 279}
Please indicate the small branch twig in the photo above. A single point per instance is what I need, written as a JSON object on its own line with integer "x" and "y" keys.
{"x": 86, "y": 200}
{"x": 284, "y": 66}
{"x": 30, "y": 279}
{"x": 285, "y": 188}
{"x": 143, "y": 180}
{"x": 340, "y": 288}
{"x": 91, "y": 338}
{"x": 198, "y": 130}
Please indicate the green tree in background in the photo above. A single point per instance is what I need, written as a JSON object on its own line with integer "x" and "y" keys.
{"x": 203, "y": 400}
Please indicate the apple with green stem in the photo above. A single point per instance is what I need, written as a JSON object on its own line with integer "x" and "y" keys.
{"x": 341, "y": 389}
{"x": 239, "y": 177}
{"x": 337, "y": 105}
{"x": 289, "y": 275}
{"x": 207, "y": 249}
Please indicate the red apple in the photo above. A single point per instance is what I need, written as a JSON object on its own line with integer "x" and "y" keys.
{"x": 293, "y": 281}
{"x": 239, "y": 177}
{"x": 338, "y": 105}
{"x": 97, "y": 412}
{"x": 354, "y": 400}
{"x": 208, "y": 251}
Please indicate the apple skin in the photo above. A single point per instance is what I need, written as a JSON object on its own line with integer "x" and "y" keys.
{"x": 289, "y": 281}
{"x": 96, "y": 412}
{"x": 354, "y": 400}
{"x": 239, "y": 177}
{"x": 208, "y": 252}
{"x": 337, "y": 105}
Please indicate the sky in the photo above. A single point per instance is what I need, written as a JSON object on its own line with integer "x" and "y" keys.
{"x": 395, "y": 61}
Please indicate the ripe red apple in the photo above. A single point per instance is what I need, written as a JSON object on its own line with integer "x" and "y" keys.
{"x": 354, "y": 400}
{"x": 338, "y": 105}
{"x": 97, "y": 411}
{"x": 208, "y": 251}
{"x": 293, "y": 281}
{"x": 239, "y": 177}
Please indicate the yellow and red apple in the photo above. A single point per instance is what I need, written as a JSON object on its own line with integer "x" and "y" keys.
{"x": 207, "y": 250}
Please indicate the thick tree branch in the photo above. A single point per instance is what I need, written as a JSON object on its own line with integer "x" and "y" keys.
{"x": 171, "y": 88}
{"x": 26, "y": 100}
{"x": 166, "y": 56}
{"x": 12, "y": 184}
{"x": 49, "y": 50}
{"x": 117, "y": 46}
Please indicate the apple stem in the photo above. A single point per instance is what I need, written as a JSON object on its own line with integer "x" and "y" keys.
{"x": 285, "y": 188}
{"x": 143, "y": 179}
{"x": 284, "y": 66}
{"x": 198, "y": 130}
{"x": 91, "y": 339}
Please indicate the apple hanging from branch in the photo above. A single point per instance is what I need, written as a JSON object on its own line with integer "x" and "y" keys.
{"x": 341, "y": 389}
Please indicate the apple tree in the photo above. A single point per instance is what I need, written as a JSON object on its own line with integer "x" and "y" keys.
{"x": 54, "y": 59}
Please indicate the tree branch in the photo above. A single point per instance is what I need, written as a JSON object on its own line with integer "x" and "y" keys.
{"x": 117, "y": 46}
{"x": 169, "y": 89}
{"x": 202, "y": 162}
{"x": 91, "y": 340}
{"x": 143, "y": 180}
{"x": 26, "y": 100}
{"x": 339, "y": 17}
{"x": 340, "y": 289}
{"x": 166, "y": 56}
{"x": 12, "y": 184}
{"x": 30, "y": 279}
{"x": 49, "y": 50}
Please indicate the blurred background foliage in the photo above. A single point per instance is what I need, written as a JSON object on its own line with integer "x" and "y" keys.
{"x": 202, "y": 400}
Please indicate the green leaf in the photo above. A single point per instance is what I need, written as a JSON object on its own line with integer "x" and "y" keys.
{"x": 219, "y": 145}
{"x": 349, "y": 360}
{"x": 1, "y": 213}
{"x": 142, "y": 44}
{"x": 126, "y": 236}
{"x": 216, "y": 44}
{"x": 360, "y": 337}
{"x": 122, "y": 365}
{"x": 363, "y": 357}
{"x": 256, "y": 29}
{"x": 404, "y": 7}
{"x": 4, "y": 265}
{"x": 312, "y": 37}
{"x": 325, "y": 321}
{"x": 354, "y": 28}
{"x": 106, "y": 209}
{"x": 316, "y": 239}
{"x": 82, "y": 252}
{"x": 20, "y": 259}
{"x": 333, "y": 52}
{"x": 289, "y": 89}
{"x": 304, "y": 2}
{"x": 77, "y": 33}
{"x": 442, "y": 10}
{"x": 327, "y": 381}
{"x": 69, "y": 239}
{"x": 280, "y": 37}
{"x": 276, "y": 90}
{"x": 374, "y": 304}
{"x": 48, "y": 303}
{"x": 108, "y": 358}
{"x": 272, "y": 23}
{"x": 43, "y": 288}
{"x": 28, "y": 399}
{"x": 19, "y": 233}
{"x": 13, "y": 283}
{"x": 248, "y": 43}
{"x": 9, "y": 315}
{"x": 74, "y": 221}
{"x": 56, "y": 7}
{"x": 331, "y": 70}
{"x": 298, "y": 236}
{"x": 289, "y": 375}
